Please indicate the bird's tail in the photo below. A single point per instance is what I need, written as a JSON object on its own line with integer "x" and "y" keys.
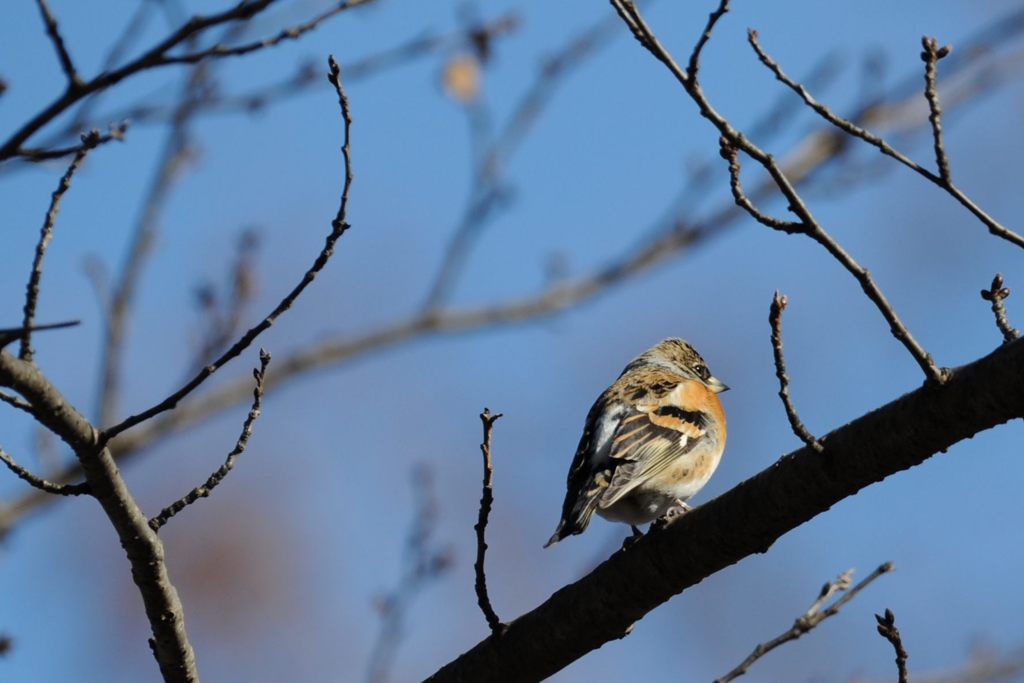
{"x": 576, "y": 516}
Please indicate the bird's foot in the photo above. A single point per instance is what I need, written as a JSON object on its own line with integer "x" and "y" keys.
{"x": 633, "y": 538}
{"x": 679, "y": 509}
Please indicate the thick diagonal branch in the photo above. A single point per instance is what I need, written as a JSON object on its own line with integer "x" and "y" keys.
{"x": 603, "y": 605}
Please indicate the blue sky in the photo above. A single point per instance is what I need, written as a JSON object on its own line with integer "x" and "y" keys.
{"x": 280, "y": 568}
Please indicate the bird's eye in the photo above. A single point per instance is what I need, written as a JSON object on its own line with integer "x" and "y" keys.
{"x": 703, "y": 372}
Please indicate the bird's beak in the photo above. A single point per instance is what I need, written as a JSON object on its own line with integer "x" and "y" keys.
{"x": 717, "y": 385}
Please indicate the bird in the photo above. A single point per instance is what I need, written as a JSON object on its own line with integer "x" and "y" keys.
{"x": 650, "y": 442}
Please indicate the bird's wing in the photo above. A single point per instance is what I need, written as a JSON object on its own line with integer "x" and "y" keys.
{"x": 659, "y": 427}
{"x": 587, "y": 479}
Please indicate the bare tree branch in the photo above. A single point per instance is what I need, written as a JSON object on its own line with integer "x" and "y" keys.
{"x": 305, "y": 78}
{"x": 996, "y": 294}
{"x": 58, "y": 44}
{"x": 17, "y": 402}
{"x": 735, "y": 139}
{"x": 930, "y": 55}
{"x": 810, "y": 227}
{"x": 811, "y": 618}
{"x": 244, "y": 9}
{"x": 157, "y": 57}
{"x": 144, "y": 550}
{"x": 89, "y": 141}
{"x": 338, "y": 228}
{"x": 887, "y": 629}
{"x": 133, "y": 29}
{"x": 116, "y": 132}
{"x": 994, "y": 227}
{"x": 779, "y": 303}
{"x": 731, "y": 155}
{"x": 486, "y": 500}
{"x": 582, "y": 616}
{"x": 290, "y": 33}
{"x": 217, "y": 477}
{"x": 40, "y": 483}
{"x": 11, "y": 334}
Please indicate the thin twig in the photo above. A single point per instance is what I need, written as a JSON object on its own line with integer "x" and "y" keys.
{"x": 58, "y": 43}
{"x": 42, "y": 484}
{"x": 116, "y": 132}
{"x": 811, "y": 618}
{"x": 693, "y": 65}
{"x": 290, "y": 33}
{"x": 11, "y": 334}
{"x": 89, "y": 140}
{"x": 847, "y": 126}
{"x": 133, "y": 29}
{"x": 887, "y": 629}
{"x": 17, "y": 402}
{"x": 779, "y": 302}
{"x": 338, "y": 228}
{"x": 996, "y": 295}
{"x": 217, "y": 477}
{"x": 486, "y": 500}
{"x": 930, "y": 55}
{"x": 731, "y": 155}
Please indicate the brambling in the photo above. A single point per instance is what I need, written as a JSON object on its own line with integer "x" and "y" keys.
{"x": 651, "y": 441}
